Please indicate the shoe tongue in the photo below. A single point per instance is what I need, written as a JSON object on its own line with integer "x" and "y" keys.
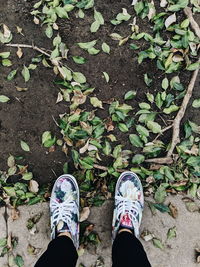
{"x": 126, "y": 221}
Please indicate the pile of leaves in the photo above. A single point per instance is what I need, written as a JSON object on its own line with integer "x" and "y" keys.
{"x": 91, "y": 142}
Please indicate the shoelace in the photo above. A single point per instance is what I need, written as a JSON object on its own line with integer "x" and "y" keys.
{"x": 126, "y": 206}
{"x": 63, "y": 211}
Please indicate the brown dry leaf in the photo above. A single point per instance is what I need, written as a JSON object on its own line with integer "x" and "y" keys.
{"x": 6, "y": 30}
{"x": 59, "y": 98}
{"x": 173, "y": 210}
{"x": 123, "y": 41}
{"x": 177, "y": 58}
{"x": 152, "y": 11}
{"x": 68, "y": 141}
{"x": 52, "y": 149}
{"x": 19, "y": 30}
{"x": 150, "y": 179}
{"x": 65, "y": 149}
{"x": 33, "y": 186}
{"x": 84, "y": 214}
{"x": 85, "y": 147}
{"x": 78, "y": 98}
{"x": 163, "y": 3}
{"x": 193, "y": 151}
{"x": 147, "y": 236}
{"x": 171, "y": 19}
{"x": 55, "y": 26}
{"x": 36, "y": 20}
{"x": 109, "y": 125}
{"x": 15, "y": 214}
{"x": 21, "y": 89}
{"x": 19, "y": 52}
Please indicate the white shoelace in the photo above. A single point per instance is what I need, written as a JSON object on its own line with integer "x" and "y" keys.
{"x": 63, "y": 211}
{"x": 127, "y": 206}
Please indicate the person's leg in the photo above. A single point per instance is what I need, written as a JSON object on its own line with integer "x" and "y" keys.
{"x": 128, "y": 251}
{"x": 60, "y": 252}
{"x": 129, "y": 204}
{"x": 64, "y": 210}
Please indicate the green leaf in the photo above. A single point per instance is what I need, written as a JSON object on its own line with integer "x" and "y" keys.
{"x": 130, "y": 95}
{"x": 138, "y": 159}
{"x": 87, "y": 163}
{"x": 185, "y": 23}
{"x": 135, "y": 140}
{"x": 4, "y": 99}
{"x": 160, "y": 194}
{"x": 170, "y": 109}
{"x": 19, "y": 261}
{"x": 79, "y": 60}
{"x": 25, "y": 146}
{"x": 134, "y": 47}
{"x": 6, "y": 62}
{"x": 26, "y": 74}
{"x": 81, "y": 14}
{"x": 60, "y": 11}
{"x": 79, "y": 77}
{"x": 171, "y": 233}
{"x": 147, "y": 80}
{"x": 123, "y": 128}
{"x": 98, "y": 17}
{"x": 106, "y": 48}
{"x": 96, "y": 102}
{"x": 3, "y": 242}
{"x": 159, "y": 101}
{"x": 9, "y": 191}
{"x": 165, "y": 83}
{"x": 144, "y": 105}
{"x": 49, "y": 31}
{"x": 94, "y": 26}
{"x": 193, "y": 66}
{"x": 157, "y": 243}
{"x": 150, "y": 97}
{"x": 196, "y": 103}
{"x": 27, "y": 176}
{"x": 193, "y": 161}
{"x": 93, "y": 51}
{"x": 57, "y": 40}
{"x": 154, "y": 127}
{"x": 4, "y": 54}
{"x": 106, "y": 76}
{"x": 142, "y": 130}
{"x": 87, "y": 45}
{"x": 107, "y": 148}
{"x": 161, "y": 207}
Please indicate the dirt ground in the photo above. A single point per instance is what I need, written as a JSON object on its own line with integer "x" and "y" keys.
{"x": 29, "y": 113}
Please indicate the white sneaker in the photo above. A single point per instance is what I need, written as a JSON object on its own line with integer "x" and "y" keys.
{"x": 129, "y": 203}
{"x": 64, "y": 208}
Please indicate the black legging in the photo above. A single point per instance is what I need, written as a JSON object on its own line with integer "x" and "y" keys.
{"x": 127, "y": 251}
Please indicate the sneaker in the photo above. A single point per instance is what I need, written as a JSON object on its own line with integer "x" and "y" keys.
{"x": 64, "y": 208}
{"x": 129, "y": 204}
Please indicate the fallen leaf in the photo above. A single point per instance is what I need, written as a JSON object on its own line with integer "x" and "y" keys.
{"x": 15, "y": 214}
{"x": 25, "y": 146}
{"x": 152, "y": 10}
{"x": 59, "y": 98}
{"x": 21, "y": 89}
{"x": 85, "y": 147}
{"x": 7, "y": 32}
{"x": 171, "y": 233}
{"x": 191, "y": 206}
{"x": 163, "y": 3}
{"x": 173, "y": 211}
{"x": 33, "y": 186}
{"x": 96, "y": 102}
{"x": 171, "y": 19}
{"x": 157, "y": 243}
{"x": 36, "y": 21}
{"x": 19, "y": 30}
{"x": 84, "y": 214}
{"x": 147, "y": 236}
{"x": 19, "y": 52}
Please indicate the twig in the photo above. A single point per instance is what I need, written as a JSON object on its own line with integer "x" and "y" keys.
{"x": 162, "y": 131}
{"x": 29, "y": 46}
{"x": 194, "y": 25}
{"x": 181, "y": 113}
{"x": 165, "y": 160}
{"x": 103, "y": 168}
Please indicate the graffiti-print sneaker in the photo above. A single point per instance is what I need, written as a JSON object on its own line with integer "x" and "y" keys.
{"x": 129, "y": 203}
{"x": 64, "y": 208}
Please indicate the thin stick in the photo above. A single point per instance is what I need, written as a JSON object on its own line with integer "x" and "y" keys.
{"x": 194, "y": 25}
{"x": 181, "y": 113}
{"x": 165, "y": 160}
{"x": 162, "y": 131}
{"x": 103, "y": 168}
{"x": 29, "y": 46}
